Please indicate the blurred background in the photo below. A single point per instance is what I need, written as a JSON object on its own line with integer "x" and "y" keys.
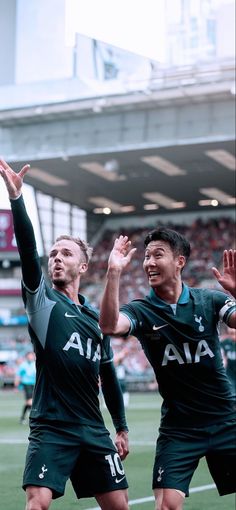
{"x": 125, "y": 111}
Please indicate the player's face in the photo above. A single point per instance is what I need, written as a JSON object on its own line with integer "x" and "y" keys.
{"x": 65, "y": 263}
{"x": 161, "y": 265}
{"x": 30, "y": 356}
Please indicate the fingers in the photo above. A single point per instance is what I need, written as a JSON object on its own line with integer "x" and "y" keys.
{"x": 229, "y": 263}
{"x": 5, "y": 175}
{"x": 122, "y": 444}
{"x": 216, "y": 273}
{"x": 5, "y": 168}
{"x": 4, "y": 164}
{"x": 122, "y": 244}
{"x": 131, "y": 253}
{"x": 13, "y": 180}
{"x": 123, "y": 451}
{"x": 24, "y": 170}
{"x": 229, "y": 258}
{"x": 123, "y": 455}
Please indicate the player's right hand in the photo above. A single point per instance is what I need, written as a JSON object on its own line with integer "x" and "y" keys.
{"x": 13, "y": 180}
{"x": 121, "y": 253}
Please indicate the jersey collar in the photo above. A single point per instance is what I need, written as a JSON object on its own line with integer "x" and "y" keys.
{"x": 183, "y": 299}
{"x": 83, "y": 300}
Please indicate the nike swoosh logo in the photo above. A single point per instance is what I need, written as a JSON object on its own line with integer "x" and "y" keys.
{"x": 155, "y": 328}
{"x": 68, "y": 315}
{"x": 120, "y": 480}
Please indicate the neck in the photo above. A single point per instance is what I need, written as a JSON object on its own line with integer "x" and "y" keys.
{"x": 169, "y": 293}
{"x": 70, "y": 291}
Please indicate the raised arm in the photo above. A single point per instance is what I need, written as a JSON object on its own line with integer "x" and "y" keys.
{"x": 227, "y": 279}
{"x": 111, "y": 321}
{"x": 24, "y": 233}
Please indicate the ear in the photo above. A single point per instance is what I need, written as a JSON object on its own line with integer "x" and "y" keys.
{"x": 181, "y": 262}
{"x": 83, "y": 267}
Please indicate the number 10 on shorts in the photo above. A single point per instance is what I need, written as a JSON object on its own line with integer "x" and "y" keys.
{"x": 115, "y": 464}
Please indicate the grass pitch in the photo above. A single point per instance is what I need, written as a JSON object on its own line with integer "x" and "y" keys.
{"x": 143, "y": 417}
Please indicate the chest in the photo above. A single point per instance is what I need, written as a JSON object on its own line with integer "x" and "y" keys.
{"x": 188, "y": 337}
{"x": 74, "y": 330}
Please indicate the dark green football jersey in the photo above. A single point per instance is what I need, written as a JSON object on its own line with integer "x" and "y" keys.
{"x": 69, "y": 349}
{"x": 69, "y": 345}
{"x": 182, "y": 344}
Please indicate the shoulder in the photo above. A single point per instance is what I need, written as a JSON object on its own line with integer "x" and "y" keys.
{"x": 136, "y": 304}
{"x": 220, "y": 303}
{"x": 209, "y": 294}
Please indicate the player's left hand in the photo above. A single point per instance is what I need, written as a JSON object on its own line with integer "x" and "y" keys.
{"x": 227, "y": 279}
{"x": 122, "y": 443}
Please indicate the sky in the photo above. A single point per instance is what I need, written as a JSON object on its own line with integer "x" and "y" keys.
{"x": 134, "y": 25}
{"x": 138, "y": 26}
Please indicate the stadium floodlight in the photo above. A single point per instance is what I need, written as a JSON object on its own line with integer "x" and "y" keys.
{"x": 127, "y": 208}
{"x": 206, "y": 202}
{"x": 151, "y": 207}
{"x": 223, "y": 157}
{"x": 112, "y": 165}
{"x": 46, "y": 177}
{"x": 178, "y": 205}
{"x": 163, "y": 165}
{"x": 106, "y": 210}
{"x": 98, "y": 210}
{"x": 102, "y": 171}
{"x": 219, "y": 195}
{"x": 163, "y": 200}
{"x": 104, "y": 202}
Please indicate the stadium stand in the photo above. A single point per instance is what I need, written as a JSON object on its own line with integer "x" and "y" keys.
{"x": 208, "y": 238}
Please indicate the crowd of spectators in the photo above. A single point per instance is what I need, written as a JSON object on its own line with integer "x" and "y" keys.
{"x": 208, "y": 239}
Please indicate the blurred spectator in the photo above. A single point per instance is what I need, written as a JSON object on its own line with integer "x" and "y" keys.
{"x": 25, "y": 379}
{"x": 122, "y": 373}
{"x": 228, "y": 347}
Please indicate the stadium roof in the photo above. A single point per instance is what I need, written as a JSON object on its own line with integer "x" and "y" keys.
{"x": 162, "y": 149}
{"x": 183, "y": 177}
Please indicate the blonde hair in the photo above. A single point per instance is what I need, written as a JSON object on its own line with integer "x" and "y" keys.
{"x": 84, "y": 246}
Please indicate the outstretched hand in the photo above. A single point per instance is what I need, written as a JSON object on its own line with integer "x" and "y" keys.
{"x": 121, "y": 253}
{"x": 227, "y": 278}
{"x": 12, "y": 180}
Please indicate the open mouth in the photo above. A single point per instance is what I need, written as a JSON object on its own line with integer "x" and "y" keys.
{"x": 57, "y": 269}
{"x": 153, "y": 274}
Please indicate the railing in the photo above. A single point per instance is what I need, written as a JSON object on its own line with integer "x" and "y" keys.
{"x": 60, "y": 92}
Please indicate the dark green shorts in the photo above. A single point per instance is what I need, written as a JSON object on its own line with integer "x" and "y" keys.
{"x": 178, "y": 453}
{"x": 86, "y": 455}
{"x": 28, "y": 390}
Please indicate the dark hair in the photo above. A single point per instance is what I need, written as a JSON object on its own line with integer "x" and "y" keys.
{"x": 178, "y": 243}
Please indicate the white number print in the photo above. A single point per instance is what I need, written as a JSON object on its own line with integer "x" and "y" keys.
{"x": 116, "y": 467}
